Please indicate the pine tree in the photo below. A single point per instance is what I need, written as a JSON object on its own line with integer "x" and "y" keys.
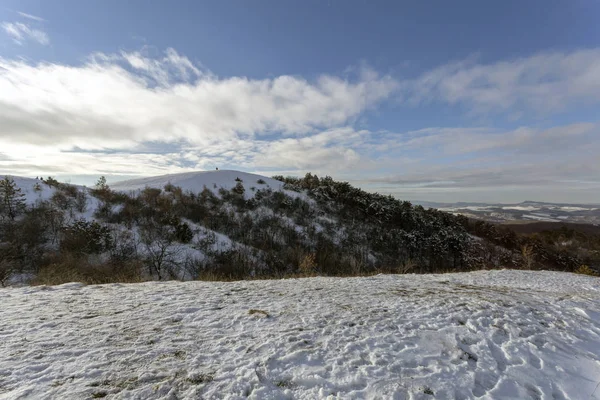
{"x": 239, "y": 188}
{"x": 101, "y": 184}
{"x": 102, "y": 190}
{"x": 12, "y": 199}
{"x": 50, "y": 181}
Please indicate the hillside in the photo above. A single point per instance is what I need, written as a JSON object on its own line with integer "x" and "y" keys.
{"x": 235, "y": 225}
{"x": 488, "y": 334}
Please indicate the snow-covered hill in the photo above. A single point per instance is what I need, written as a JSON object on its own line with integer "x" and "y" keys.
{"x": 251, "y": 225}
{"x": 490, "y": 335}
{"x": 36, "y": 191}
{"x": 196, "y": 182}
{"x": 33, "y": 189}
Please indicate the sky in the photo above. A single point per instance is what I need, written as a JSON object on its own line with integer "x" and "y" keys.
{"x": 436, "y": 101}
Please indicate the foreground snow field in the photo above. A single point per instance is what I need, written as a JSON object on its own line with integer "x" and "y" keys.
{"x": 494, "y": 334}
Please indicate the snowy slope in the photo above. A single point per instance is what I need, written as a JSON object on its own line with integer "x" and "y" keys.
{"x": 196, "y": 181}
{"x": 27, "y": 188}
{"x": 45, "y": 193}
{"x": 489, "y": 335}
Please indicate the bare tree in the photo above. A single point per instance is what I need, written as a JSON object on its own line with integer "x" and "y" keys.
{"x": 528, "y": 256}
{"x": 6, "y": 269}
{"x": 161, "y": 248}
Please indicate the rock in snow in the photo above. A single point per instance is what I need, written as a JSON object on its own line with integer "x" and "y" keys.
{"x": 488, "y": 334}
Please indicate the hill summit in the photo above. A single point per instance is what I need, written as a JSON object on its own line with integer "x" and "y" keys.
{"x": 197, "y": 181}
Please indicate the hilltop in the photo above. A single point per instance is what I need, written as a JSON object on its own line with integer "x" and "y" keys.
{"x": 197, "y": 181}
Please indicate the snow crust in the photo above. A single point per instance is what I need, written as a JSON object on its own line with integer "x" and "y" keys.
{"x": 489, "y": 334}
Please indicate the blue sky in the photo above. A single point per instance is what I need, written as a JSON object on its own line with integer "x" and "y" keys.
{"x": 440, "y": 101}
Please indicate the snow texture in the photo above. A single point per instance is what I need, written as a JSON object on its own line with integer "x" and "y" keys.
{"x": 488, "y": 334}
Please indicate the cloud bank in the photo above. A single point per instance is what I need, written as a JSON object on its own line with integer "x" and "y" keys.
{"x": 133, "y": 114}
{"x": 544, "y": 83}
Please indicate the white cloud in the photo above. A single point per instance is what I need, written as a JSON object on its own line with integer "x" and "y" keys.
{"x": 331, "y": 150}
{"x": 482, "y": 164}
{"x": 524, "y": 140}
{"x": 132, "y": 114}
{"x": 31, "y": 160}
{"x": 30, "y": 16}
{"x": 544, "y": 82}
{"x": 163, "y": 71}
{"x": 20, "y": 33}
{"x": 116, "y": 101}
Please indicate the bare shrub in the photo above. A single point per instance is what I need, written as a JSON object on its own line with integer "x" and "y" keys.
{"x": 86, "y": 238}
{"x": 6, "y": 271}
{"x": 60, "y": 269}
{"x": 62, "y": 201}
{"x": 308, "y": 265}
{"x": 407, "y": 266}
{"x": 160, "y": 247}
{"x": 586, "y": 270}
{"x": 233, "y": 264}
{"x": 81, "y": 201}
{"x": 67, "y": 267}
{"x": 528, "y": 256}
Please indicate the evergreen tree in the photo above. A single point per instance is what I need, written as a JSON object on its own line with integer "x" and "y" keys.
{"x": 50, "y": 181}
{"x": 102, "y": 191}
{"x": 101, "y": 184}
{"x": 239, "y": 188}
{"x": 12, "y": 199}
